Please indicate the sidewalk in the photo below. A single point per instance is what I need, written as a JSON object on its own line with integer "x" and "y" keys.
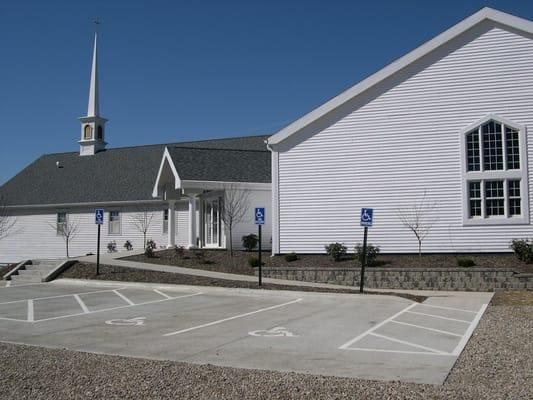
{"x": 114, "y": 259}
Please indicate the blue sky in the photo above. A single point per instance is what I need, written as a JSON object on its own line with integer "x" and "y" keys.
{"x": 186, "y": 70}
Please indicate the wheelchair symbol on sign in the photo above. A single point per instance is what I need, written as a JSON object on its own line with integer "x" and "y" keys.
{"x": 366, "y": 217}
{"x": 259, "y": 214}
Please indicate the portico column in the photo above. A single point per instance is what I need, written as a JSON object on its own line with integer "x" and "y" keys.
{"x": 192, "y": 221}
{"x": 171, "y": 224}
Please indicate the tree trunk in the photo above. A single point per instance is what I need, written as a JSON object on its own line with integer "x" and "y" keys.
{"x": 419, "y": 249}
{"x": 66, "y": 243}
{"x": 230, "y": 242}
{"x": 144, "y": 240}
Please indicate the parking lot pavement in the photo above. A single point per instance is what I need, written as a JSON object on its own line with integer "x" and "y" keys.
{"x": 371, "y": 336}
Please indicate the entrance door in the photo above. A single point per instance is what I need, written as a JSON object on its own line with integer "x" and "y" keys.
{"x": 212, "y": 223}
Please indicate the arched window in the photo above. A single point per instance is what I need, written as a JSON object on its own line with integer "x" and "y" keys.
{"x": 494, "y": 172}
{"x": 99, "y": 132}
{"x": 87, "y": 132}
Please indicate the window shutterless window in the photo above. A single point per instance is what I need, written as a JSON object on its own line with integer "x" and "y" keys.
{"x": 165, "y": 221}
{"x": 494, "y": 172}
{"x": 61, "y": 222}
{"x": 114, "y": 223}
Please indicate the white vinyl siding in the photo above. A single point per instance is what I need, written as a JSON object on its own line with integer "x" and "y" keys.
{"x": 404, "y": 140}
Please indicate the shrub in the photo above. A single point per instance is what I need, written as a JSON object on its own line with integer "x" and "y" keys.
{"x": 290, "y": 257}
{"x": 150, "y": 247}
{"x": 253, "y": 262}
{"x": 372, "y": 253}
{"x": 179, "y": 251}
{"x": 465, "y": 262}
{"x": 336, "y": 250}
{"x": 128, "y": 246}
{"x": 523, "y": 250}
{"x": 112, "y": 247}
{"x": 249, "y": 242}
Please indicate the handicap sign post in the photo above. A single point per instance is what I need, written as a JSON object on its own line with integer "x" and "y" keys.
{"x": 98, "y": 220}
{"x": 367, "y": 217}
{"x": 259, "y": 218}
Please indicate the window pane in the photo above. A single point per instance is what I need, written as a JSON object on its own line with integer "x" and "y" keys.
{"x": 472, "y": 149}
{"x": 494, "y": 200}
{"x": 61, "y": 222}
{"x": 513, "y": 148}
{"x": 514, "y": 197}
{"x": 492, "y": 146}
{"x": 114, "y": 222}
{"x": 474, "y": 192}
{"x": 165, "y": 221}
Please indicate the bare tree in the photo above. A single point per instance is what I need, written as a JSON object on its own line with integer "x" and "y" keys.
{"x": 142, "y": 220}
{"x": 7, "y": 221}
{"x": 419, "y": 219}
{"x": 234, "y": 208}
{"x": 67, "y": 230}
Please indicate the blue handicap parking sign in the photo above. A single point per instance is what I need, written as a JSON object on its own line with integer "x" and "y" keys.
{"x": 367, "y": 215}
{"x": 259, "y": 215}
{"x": 99, "y": 216}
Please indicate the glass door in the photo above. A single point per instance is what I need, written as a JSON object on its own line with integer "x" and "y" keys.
{"x": 212, "y": 223}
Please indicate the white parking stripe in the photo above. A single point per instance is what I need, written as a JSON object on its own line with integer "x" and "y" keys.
{"x": 396, "y": 351}
{"x": 428, "y": 328}
{"x": 117, "y": 308}
{"x": 81, "y": 303}
{"x": 30, "y": 310}
{"x": 448, "y": 308}
{"x": 469, "y": 331}
{"x": 439, "y": 317}
{"x": 55, "y": 297}
{"x": 232, "y": 318}
{"x": 407, "y": 343}
{"x": 355, "y": 339}
{"x": 131, "y": 303}
{"x": 162, "y": 294}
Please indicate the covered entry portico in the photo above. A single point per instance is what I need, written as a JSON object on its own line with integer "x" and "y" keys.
{"x": 198, "y": 204}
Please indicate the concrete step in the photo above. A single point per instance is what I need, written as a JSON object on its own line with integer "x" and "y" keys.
{"x": 35, "y": 272}
{"x": 26, "y": 278}
{"x": 40, "y": 267}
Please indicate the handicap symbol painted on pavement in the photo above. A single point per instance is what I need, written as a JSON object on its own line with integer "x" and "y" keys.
{"x": 127, "y": 322}
{"x": 274, "y": 332}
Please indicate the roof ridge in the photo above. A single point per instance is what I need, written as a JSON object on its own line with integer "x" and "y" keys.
{"x": 170, "y": 144}
{"x": 217, "y": 149}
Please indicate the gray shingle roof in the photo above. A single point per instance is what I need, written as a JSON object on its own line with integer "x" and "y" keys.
{"x": 129, "y": 173}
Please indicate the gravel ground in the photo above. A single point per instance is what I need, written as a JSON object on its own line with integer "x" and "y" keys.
{"x": 218, "y": 260}
{"x": 113, "y": 273}
{"x": 496, "y": 364}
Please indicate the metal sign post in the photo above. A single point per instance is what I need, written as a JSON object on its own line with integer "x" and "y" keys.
{"x": 259, "y": 214}
{"x": 98, "y": 220}
{"x": 367, "y": 216}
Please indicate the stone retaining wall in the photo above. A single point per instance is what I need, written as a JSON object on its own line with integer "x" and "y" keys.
{"x": 466, "y": 279}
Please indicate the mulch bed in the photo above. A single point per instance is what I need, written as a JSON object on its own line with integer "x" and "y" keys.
{"x": 112, "y": 273}
{"x": 5, "y": 269}
{"x": 219, "y": 260}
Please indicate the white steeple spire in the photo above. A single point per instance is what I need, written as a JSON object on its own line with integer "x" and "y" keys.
{"x": 93, "y": 125}
{"x": 92, "y": 109}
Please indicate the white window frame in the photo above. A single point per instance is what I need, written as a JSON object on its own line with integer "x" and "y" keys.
{"x": 58, "y": 231}
{"x": 119, "y": 223}
{"x": 211, "y": 197}
{"x": 504, "y": 175}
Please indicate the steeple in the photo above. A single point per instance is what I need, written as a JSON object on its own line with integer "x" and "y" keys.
{"x": 93, "y": 125}
{"x": 92, "y": 109}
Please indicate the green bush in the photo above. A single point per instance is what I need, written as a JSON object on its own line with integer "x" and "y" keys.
{"x": 523, "y": 250}
{"x": 290, "y": 257}
{"x": 371, "y": 254}
{"x": 465, "y": 262}
{"x": 150, "y": 247}
{"x": 253, "y": 262}
{"x": 336, "y": 250}
{"x": 249, "y": 242}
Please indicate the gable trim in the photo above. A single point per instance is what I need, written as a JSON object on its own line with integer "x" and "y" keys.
{"x": 168, "y": 158}
{"x": 408, "y": 59}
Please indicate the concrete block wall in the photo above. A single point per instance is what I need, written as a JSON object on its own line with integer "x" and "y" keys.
{"x": 464, "y": 279}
